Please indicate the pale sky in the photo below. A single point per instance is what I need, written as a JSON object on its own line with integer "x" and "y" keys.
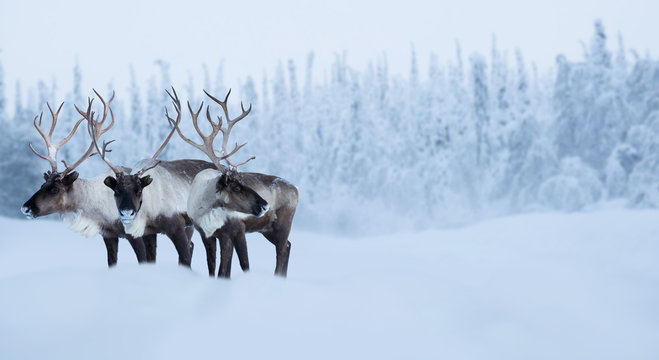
{"x": 43, "y": 39}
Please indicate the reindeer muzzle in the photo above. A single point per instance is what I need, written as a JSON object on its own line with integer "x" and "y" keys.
{"x": 261, "y": 210}
{"x": 27, "y": 211}
{"x": 127, "y": 216}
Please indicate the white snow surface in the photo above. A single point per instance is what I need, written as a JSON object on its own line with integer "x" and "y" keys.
{"x": 535, "y": 286}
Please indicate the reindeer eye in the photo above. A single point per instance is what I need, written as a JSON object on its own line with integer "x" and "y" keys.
{"x": 54, "y": 190}
{"x": 138, "y": 192}
{"x": 236, "y": 189}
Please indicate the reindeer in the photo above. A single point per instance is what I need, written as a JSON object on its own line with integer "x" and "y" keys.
{"x": 87, "y": 203}
{"x": 154, "y": 199}
{"x": 224, "y": 203}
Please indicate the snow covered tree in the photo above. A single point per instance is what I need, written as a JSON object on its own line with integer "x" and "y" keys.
{"x": 414, "y": 67}
{"x": 308, "y": 79}
{"x": 481, "y": 107}
{"x": 16, "y": 158}
{"x": 79, "y": 143}
{"x": 140, "y": 129}
{"x": 640, "y": 162}
{"x": 492, "y": 136}
{"x": 219, "y": 86}
{"x": 599, "y": 55}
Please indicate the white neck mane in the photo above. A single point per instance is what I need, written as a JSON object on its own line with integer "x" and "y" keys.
{"x": 94, "y": 204}
{"x": 200, "y": 203}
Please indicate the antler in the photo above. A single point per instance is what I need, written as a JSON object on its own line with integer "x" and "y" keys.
{"x": 207, "y": 147}
{"x": 89, "y": 153}
{"x": 95, "y": 128}
{"x": 230, "y": 124}
{"x": 53, "y": 148}
{"x": 177, "y": 106}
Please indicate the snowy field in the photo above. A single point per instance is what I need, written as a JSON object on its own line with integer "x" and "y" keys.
{"x": 538, "y": 286}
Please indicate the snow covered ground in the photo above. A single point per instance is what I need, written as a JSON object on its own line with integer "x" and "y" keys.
{"x": 537, "y": 286}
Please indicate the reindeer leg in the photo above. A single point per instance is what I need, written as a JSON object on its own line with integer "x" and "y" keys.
{"x": 284, "y": 223}
{"x": 138, "y": 246}
{"x": 240, "y": 244}
{"x": 182, "y": 244}
{"x": 226, "y": 253}
{"x": 112, "y": 245}
{"x": 150, "y": 245}
{"x": 210, "y": 243}
{"x": 283, "y": 248}
{"x": 189, "y": 231}
{"x": 278, "y": 236}
{"x": 283, "y": 253}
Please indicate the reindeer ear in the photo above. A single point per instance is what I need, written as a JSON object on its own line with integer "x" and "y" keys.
{"x": 110, "y": 182}
{"x": 70, "y": 178}
{"x": 145, "y": 181}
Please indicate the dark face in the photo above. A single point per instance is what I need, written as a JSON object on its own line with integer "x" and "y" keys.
{"x": 232, "y": 195}
{"x": 52, "y": 197}
{"x": 128, "y": 194}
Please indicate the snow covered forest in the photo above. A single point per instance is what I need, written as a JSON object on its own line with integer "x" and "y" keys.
{"x": 472, "y": 136}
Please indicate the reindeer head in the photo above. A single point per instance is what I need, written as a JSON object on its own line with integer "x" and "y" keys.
{"x": 231, "y": 192}
{"x": 127, "y": 194}
{"x": 52, "y": 197}
{"x": 233, "y": 196}
{"x": 55, "y": 194}
{"x": 127, "y": 188}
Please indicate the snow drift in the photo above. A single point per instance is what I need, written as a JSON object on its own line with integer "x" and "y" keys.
{"x": 540, "y": 286}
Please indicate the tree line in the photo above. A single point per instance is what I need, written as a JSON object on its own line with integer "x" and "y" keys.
{"x": 475, "y": 136}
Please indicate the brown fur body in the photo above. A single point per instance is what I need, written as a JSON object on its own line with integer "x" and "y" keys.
{"x": 158, "y": 205}
{"x": 221, "y": 207}
{"x": 85, "y": 202}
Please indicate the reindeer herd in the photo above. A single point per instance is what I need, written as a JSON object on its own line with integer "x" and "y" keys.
{"x": 168, "y": 197}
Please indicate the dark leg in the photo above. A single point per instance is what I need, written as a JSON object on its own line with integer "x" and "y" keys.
{"x": 182, "y": 244}
{"x": 284, "y": 254}
{"x": 283, "y": 251}
{"x": 150, "y": 245}
{"x": 283, "y": 248}
{"x": 189, "y": 231}
{"x": 284, "y": 222}
{"x": 138, "y": 247}
{"x": 210, "y": 243}
{"x": 278, "y": 236}
{"x": 111, "y": 244}
{"x": 240, "y": 244}
{"x": 226, "y": 252}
